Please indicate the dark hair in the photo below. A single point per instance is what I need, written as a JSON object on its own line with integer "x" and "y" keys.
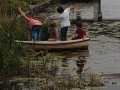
{"x": 52, "y": 24}
{"x": 60, "y": 9}
{"x": 79, "y": 24}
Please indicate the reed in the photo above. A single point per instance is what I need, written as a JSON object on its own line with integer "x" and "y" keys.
{"x": 11, "y": 53}
{"x": 45, "y": 33}
{"x": 12, "y": 62}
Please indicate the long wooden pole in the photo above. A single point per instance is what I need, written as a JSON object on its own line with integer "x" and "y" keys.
{"x": 13, "y": 21}
{"x": 99, "y": 11}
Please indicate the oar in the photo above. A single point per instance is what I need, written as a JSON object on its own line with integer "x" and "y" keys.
{"x": 13, "y": 21}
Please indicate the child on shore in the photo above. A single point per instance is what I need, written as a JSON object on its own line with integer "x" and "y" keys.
{"x": 53, "y": 32}
{"x": 35, "y": 25}
{"x": 80, "y": 33}
{"x": 64, "y": 21}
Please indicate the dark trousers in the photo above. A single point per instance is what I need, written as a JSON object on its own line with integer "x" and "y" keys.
{"x": 64, "y": 33}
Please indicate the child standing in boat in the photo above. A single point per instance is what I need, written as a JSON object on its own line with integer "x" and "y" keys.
{"x": 64, "y": 21}
{"x": 80, "y": 33}
{"x": 53, "y": 32}
{"x": 35, "y": 25}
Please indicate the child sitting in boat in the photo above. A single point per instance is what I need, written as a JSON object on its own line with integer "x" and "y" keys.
{"x": 53, "y": 32}
{"x": 80, "y": 33}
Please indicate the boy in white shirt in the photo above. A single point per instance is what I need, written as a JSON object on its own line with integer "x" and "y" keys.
{"x": 64, "y": 20}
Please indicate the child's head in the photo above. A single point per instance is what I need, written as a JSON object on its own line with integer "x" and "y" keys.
{"x": 52, "y": 25}
{"x": 60, "y": 9}
{"x": 79, "y": 24}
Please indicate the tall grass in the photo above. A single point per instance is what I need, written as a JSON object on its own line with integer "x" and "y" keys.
{"x": 10, "y": 52}
{"x": 45, "y": 31}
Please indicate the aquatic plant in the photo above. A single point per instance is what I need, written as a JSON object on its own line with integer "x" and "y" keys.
{"x": 45, "y": 33}
{"x": 95, "y": 80}
{"x": 11, "y": 62}
{"x": 9, "y": 7}
{"x": 11, "y": 53}
{"x": 46, "y": 70}
{"x": 47, "y": 65}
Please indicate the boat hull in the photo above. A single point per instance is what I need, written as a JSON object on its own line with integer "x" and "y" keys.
{"x": 52, "y": 45}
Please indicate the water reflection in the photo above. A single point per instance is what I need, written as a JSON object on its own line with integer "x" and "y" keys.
{"x": 80, "y": 64}
{"x": 75, "y": 53}
{"x": 73, "y": 62}
{"x": 64, "y": 65}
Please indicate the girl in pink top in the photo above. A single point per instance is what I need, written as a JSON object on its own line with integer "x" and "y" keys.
{"x": 35, "y": 25}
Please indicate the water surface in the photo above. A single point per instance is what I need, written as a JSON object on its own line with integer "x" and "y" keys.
{"x": 109, "y": 8}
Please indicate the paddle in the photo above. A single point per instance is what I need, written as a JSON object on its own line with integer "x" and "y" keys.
{"x": 13, "y": 21}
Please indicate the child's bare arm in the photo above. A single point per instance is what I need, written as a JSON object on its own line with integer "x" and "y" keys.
{"x": 54, "y": 39}
{"x": 74, "y": 35}
{"x": 22, "y": 13}
{"x": 72, "y": 8}
{"x": 85, "y": 36}
{"x": 56, "y": 32}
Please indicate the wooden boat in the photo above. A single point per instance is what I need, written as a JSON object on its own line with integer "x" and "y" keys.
{"x": 52, "y": 45}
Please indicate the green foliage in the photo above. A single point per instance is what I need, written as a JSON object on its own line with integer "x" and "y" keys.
{"x": 18, "y": 28}
{"x": 9, "y": 7}
{"x": 17, "y": 3}
{"x": 45, "y": 31}
{"x": 36, "y": 1}
{"x": 11, "y": 53}
{"x": 55, "y": 1}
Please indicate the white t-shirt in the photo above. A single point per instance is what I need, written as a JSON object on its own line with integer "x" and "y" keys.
{"x": 64, "y": 18}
